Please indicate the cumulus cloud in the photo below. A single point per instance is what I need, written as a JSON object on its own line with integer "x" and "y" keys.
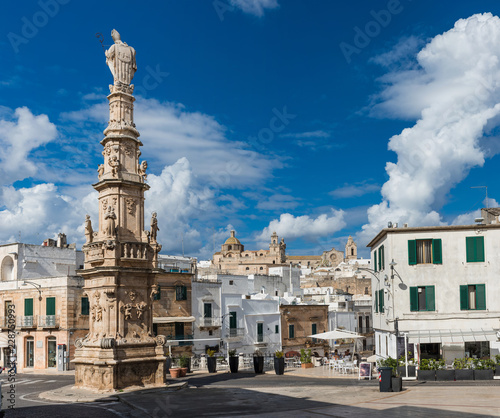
{"x": 291, "y": 227}
{"x": 170, "y": 132}
{"x": 21, "y": 132}
{"x": 278, "y": 201}
{"x": 354, "y": 190}
{"x": 255, "y": 7}
{"x": 455, "y": 94}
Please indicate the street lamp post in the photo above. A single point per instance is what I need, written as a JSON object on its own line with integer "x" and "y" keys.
{"x": 36, "y": 286}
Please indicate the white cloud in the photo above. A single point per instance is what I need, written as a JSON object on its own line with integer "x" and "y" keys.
{"x": 278, "y": 201}
{"x": 354, "y": 190}
{"x": 455, "y": 94}
{"x": 291, "y": 227}
{"x": 21, "y": 132}
{"x": 402, "y": 54}
{"x": 255, "y": 7}
{"x": 170, "y": 132}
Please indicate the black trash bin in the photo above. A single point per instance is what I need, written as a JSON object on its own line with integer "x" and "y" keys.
{"x": 385, "y": 383}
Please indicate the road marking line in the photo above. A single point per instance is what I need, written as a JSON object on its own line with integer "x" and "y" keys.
{"x": 35, "y": 381}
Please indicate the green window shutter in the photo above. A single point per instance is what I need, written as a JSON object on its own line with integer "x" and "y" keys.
{"x": 28, "y": 307}
{"x": 85, "y": 306}
{"x": 412, "y": 252}
{"x": 479, "y": 248}
{"x": 158, "y": 295}
{"x": 207, "y": 310}
{"x": 481, "y": 296}
{"x": 379, "y": 259}
{"x": 184, "y": 293}
{"x": 413, "y": 299}
{"x": 314, "y": 329}
{"x": 469, "y": 246}
{"x": 50, "y": 306}
{"x": 376, "y": 301}
{"x": 430, "y": 298}
{"x": 232, "y": 320}
{"x": 260, "y": 328}
{"x": 464, "y": 298}
{"x": 291, "y": 331}
{"x": 382, "y": 257}
{"x": 381, "y": 300}
{"x": 437, "y": 252}
{"x": 375, "y": 260}
{"x": 276, "y": 329}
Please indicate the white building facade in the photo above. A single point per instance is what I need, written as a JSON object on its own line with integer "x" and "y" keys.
{"x": 436, "y": 289}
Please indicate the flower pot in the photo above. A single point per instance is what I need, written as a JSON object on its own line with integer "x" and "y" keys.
{"x": 397, "y": 384}
{"x": 483, "y": 374}
{"x": 279, "y": 365}
{"x": 233, "y": 364}
{"x": 412, "y": 371}
{"x": 464, "y": 374}
{"x": 258, "y": 364}
{"x": 445, "y": 375}
{"x": 175, "y": 373}
{"x": 184, "y": 371}
{"x": 307, "y": 365}
{"x": 426, "y": 375}
{"x": 497, "y": 370}
{"x": 212, "y": 364}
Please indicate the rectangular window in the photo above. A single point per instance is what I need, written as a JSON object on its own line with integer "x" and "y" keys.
{"x": 473, "y": 297}
{"x": 381, "y": 258}
{"x": 50, "y": 306}
{"x": 314, "y": 329}
{"x": 232, "y": 320}
{"x": 207, "y": 310}
{"x": 381, "y": 301}
{"x": 85, "y": 306}
{"x": 425, "y": 251}
{"x": 260, "y": 332}
{"x": 422, "y": 298}
{"x": 276, "y": 329}
{"x": 475, "y": 249}
{"x": 291, "y": 331}
{"x": 28, "y": 307}
{"x": 180, "y": 293}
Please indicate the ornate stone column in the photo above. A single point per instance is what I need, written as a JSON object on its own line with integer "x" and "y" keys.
{"x": 120, "y": 256}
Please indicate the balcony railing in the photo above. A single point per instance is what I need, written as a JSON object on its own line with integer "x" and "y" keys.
{"x": 365, "y": 330}
{"x": 26, "y": 322}
{"x": 210, "y": 322}
{"x": 48, "y": 321}
{"x": 235, "y": 332}
{"x": 180, "y": 338}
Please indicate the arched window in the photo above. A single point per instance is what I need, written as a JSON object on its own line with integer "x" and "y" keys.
{"x": 248, "y": 268}
{"x": 7, "y": 269}
{"x": 229, "y": 248}
{"x": 352, "y": 251}
{"x": 262, "y": 268}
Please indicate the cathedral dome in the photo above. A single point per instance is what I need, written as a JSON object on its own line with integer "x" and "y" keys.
{"x": 232, "y": 239}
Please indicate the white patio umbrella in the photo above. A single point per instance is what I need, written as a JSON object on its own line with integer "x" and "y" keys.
{"x": 337, "y": 334}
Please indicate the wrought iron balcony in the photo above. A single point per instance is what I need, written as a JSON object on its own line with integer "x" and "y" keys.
{"x": 210, "y": 322}
{"x": 48, "y": 321}
{"x": 26, "y": 322}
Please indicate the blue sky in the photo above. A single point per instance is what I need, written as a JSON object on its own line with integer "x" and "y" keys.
{"x": 257, "y": 115}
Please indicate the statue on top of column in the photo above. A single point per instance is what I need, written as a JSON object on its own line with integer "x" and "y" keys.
{"x": 121, "y": 60}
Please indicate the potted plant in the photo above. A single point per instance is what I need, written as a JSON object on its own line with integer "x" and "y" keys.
{"x": 211, "y": 361}
{"x": 258, "y": 362}
{"x": 463, "y": 369}
{"x": 483, "y": 369}
{"x": 305, "y": 358}
{"x": 396, "y": 379}
{"x": 442, "y": 373}
{"x": 184, "y": 362}
{"x": 233, "y": 361}
{"x": 412, "y": 368}
{"x": 279, "y": 362}
{"x": 426, "y": 370}
{"x": 497, "y": 366}
{"x": 175, "y": 372}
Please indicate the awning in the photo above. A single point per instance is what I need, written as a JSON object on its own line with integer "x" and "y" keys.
{"x": 447, "y": 336}
{"x": 4, "y": 339}
{"x": 171, "y": 319}
{"x": 336, "y": 334}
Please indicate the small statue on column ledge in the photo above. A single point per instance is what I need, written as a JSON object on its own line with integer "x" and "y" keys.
{"x": 154, "y": 227}
{"x": 110, "y": 217}
{"x": 89, "y": 233}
